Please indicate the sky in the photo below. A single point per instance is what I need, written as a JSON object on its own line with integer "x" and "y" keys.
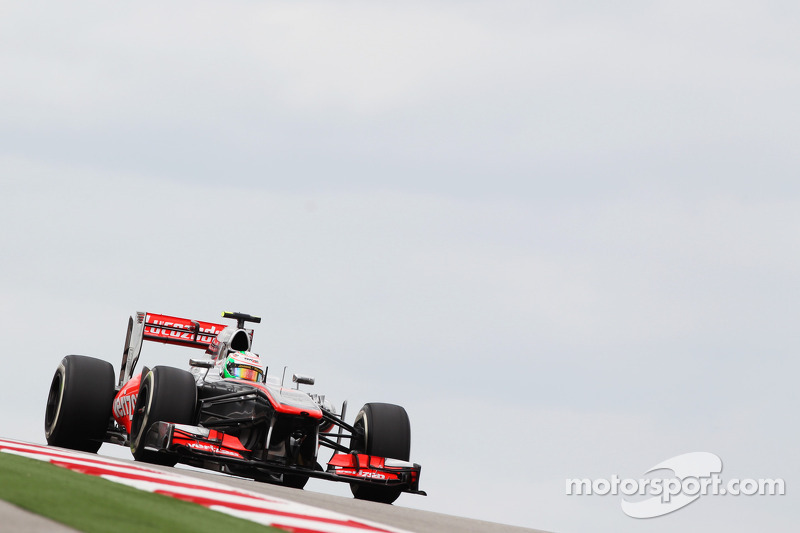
{"x": 564, "y": 235}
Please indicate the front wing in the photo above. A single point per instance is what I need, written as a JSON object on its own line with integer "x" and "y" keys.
{"x": 215, "y": 446}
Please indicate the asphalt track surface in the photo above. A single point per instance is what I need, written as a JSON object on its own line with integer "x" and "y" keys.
{"x": 411, "y": 520}
{"x": 19, "y": 520}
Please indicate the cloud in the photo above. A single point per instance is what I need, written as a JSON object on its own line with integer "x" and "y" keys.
{"x": 538, "y": 100}
{"x": 566, "y": 226}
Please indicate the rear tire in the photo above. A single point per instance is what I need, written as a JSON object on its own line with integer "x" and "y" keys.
{"x": 307, "y": 458}
{"x": 386, "y": 433}
{"x": 79, "y": 403}
{"x": 166, "y": 394}
{"x": 294, "y": 481}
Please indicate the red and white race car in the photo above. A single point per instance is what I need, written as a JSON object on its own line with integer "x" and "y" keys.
{"x": 226, "y": 414}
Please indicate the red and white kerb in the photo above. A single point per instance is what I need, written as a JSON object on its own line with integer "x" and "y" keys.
{"x": 267, "y": 510}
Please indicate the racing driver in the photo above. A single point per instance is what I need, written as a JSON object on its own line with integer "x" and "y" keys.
{"x": 243, "y": 365}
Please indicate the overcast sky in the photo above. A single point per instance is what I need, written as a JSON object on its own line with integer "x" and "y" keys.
{"x": 564, "y": 235}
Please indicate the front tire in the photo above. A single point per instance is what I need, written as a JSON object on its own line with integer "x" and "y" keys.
{"x": 79, "y": 403}
{"x": 386, "y": 432}
{"x": 166, "y": 394}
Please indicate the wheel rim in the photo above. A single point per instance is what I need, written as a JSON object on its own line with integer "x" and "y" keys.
{"x": 54, "y": 399}
{"x": 359, "y": 444}
{"x": 139, "y": 422}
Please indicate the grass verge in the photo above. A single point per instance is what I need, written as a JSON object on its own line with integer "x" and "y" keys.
{"x": 92, "y": 504}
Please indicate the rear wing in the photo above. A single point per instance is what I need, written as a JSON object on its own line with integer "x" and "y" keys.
{"x": 179, "y": 331}
{"x": 165, "y": 329}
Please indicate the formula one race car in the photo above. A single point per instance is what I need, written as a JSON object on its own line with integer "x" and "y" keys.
{"x": 226, "y": 414}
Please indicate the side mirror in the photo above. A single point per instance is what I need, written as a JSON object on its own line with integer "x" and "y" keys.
{"x": 301, "y": 379}
{"x": 202, "y": 363}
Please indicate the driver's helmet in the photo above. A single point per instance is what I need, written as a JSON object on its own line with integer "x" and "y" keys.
{"x": 243, "y": 365}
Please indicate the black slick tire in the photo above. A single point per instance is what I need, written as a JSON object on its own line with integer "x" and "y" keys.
{"x": 386, "y": 433}
{"x": 166, "y": 394}
{"x": 78, "y": 408}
